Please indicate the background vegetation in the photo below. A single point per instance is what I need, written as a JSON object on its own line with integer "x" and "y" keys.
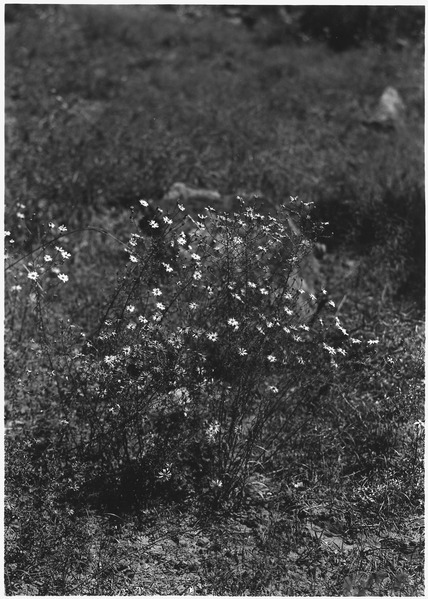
{"x": 106, "y": 105}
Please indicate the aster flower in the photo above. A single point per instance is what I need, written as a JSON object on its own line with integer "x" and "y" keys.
{"x": 233, "y": 323}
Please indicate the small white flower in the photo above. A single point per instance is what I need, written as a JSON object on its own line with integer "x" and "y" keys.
{"x": 33, "y": 275}
{"x": 130, "y": 308}
{"x": 288, "y": 311}
{"x": 195, "y": 257}
{"x": 165, "y": 473}
{"x": 233, "y": 323}
{"x": 217, "y": 483}
{"x": 181, "y": 207}
{"x": 63, "y": 278}
{"x": 197, "y": 275}
{"x": 6, "y": 233}
{"x": 62, "y": 228}
{"x": 193, "y": 306}
{"x": 131, "y": 326}
{"x": 160, "y": 306}
{"x": 264, "y": 291}
{"x": 167, "y": 267}
{"x": 16, "y": 288}
{"x": 167, "y": 220}
{"x": 157, "y": 292}
{"x": 343, "y": 331}
{"x": 154, "y": 224}
{"x": 133, "y": 258}
{"x": 331, "y": 303}
{"x": 330, "y": 349}
{"x": 144, "y": 203}
{"x": 143, "y": 319}
{"x": 272, "y": 358}
{"x": 252, "y": 285}
{"x": 20, "y": 215}
{"x": 354, "y": 341}
{"x": 373, "y": 341}
{"x": 212, "y": 336}
{"x": 51, "y": 225}
{"x": 242, "y": 352}
{"x": 273, "y": 389}
{"x": 132, "y": 242}
{"x": 212, "y": 430}
{"x": 110, "y": 360}
{"x": 47, "y": 258}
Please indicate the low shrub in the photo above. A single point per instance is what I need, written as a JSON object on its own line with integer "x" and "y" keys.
{"x": 202, "y": 354}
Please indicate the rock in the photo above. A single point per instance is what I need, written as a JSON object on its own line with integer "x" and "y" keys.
{"x": 389, "y": 112}
{"x": 180, "y": 192}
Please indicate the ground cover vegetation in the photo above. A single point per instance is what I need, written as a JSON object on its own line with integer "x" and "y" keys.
{"x": 183, "y": 415}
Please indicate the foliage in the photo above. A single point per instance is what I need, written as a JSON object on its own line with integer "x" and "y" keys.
{"x": 346, "y": 27}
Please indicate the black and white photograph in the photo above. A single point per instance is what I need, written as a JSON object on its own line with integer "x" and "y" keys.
{"x": 214, "y": 299}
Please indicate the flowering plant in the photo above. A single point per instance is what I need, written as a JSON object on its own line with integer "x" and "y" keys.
{"x": 203, "y": 354}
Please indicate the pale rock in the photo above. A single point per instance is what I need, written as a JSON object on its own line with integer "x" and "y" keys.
{"x": 389, "y": 112}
